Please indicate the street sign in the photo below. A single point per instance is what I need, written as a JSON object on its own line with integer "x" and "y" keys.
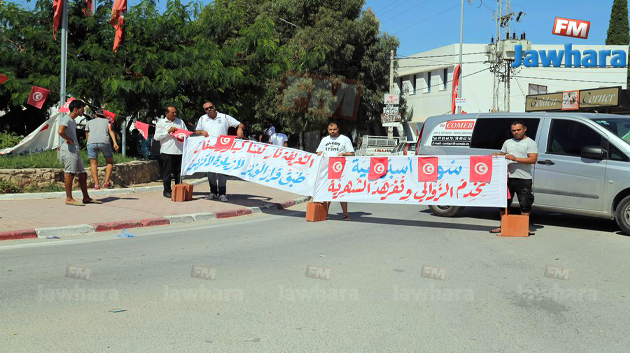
{"x": 460, "y": 102}
{"x": 390, "y": 109}
{"x": 391, "y": 99}
{"x": 391, "y": 118}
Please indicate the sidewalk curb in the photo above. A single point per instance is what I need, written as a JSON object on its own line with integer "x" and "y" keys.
{"x": 93, "y": 193}
{"x": 18, "y": 234}
{"x": 80, "y": 229}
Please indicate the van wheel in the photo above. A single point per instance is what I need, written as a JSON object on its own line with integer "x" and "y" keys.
{"x": 448, "y": 211}
{"x": 622, "y": 215}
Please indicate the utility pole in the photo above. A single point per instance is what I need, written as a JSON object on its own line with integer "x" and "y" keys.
{"x": 64, "y": 52}
{"x": 461, "y": 45}
{"x": 390, "y": 129}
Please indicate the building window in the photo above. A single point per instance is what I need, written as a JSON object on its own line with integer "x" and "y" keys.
{"x": 413, "y": 85}
{"x": 445, "y": 79}
{"x": 537, "y": 89}
{"x": 428, "y": 82}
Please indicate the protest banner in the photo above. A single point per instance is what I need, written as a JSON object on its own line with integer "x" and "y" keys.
{"x": 402, "y": 182}
{"x": 274, "y": 166}
{"x": 413, "y": 180}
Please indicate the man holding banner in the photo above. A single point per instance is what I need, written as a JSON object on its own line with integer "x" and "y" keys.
{"x": 336, "y": 145}
{"x": 214, "y": 124}
{"x": 171, "y": 148}
{"x": 521, "y": 153}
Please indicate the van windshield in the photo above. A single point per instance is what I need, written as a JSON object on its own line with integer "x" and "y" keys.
{"x": 618, "y": 126}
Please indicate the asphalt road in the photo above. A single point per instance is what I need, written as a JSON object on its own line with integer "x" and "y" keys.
{"x": 394, "y": 279}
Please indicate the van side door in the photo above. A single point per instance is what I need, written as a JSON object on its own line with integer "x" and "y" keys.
{"x": 563, "y": 179}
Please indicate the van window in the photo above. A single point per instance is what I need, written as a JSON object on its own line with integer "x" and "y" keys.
{"x": 615, "y": 154}
{"x": 567, "y": 137}
{"x": 491, "y": 133}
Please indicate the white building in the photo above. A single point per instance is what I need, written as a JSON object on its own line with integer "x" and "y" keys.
{"x": 426, "y": 79}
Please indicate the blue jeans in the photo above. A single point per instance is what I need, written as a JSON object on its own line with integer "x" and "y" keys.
{"x": 94, "y": 148}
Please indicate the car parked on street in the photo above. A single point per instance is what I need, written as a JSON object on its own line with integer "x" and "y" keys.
{"x": 407, "y": 148}
{"x": 583, "y": 163}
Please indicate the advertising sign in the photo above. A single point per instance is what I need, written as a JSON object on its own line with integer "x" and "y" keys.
{"x": 571, "y": 100}
{"x": 571, "y": 28}
{"x": 452, "y": 133}
{"x": 391, "y": 118}
{"x": 391, "y": 99}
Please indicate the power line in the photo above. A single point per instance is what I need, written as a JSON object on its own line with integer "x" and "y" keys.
{"x": 566, "y": 79}
{"x": 386, "y": 6}
{"x": 426, "y": 19}
{"x": 404, "y": 12}
{"x": 436, "y": 56}
{"x": 393, "y": 7}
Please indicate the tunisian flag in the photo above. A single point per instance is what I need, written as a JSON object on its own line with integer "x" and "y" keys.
{"x": 143, "y": 128}
{"x": 109, "y": 116}
{"x": 224, "y": 143}
{"x": 335, "y": 167}
{"x": 118, "y": 20}
{"x": 428, "y": 169}
{"x": 181, "y": 134}
{"x": 38, "y": 96}
{"x": 481, "y": 169}
{"x": 57, "y": 12}
{"x": 378, "y": 167}
{"x": 456, "y": 74}
{"x": 3, "y": 78}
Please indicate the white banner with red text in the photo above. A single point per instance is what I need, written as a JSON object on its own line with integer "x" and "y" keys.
{"x": 274, "y": 166}
{"x": 425, "y": 180}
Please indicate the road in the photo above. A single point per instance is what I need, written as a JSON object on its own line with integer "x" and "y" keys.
{"x": 394, "y": 279}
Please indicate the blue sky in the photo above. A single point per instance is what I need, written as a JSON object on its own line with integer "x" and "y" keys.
{"x": 427, "y": 24}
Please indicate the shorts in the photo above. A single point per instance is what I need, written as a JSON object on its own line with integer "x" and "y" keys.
{"x": 72, "y": 163}
{"x": 522, "y": 188}
{"x": 94, "y": 148}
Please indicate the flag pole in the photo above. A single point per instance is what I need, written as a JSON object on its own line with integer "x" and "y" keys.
{"x": 64, "y": 52}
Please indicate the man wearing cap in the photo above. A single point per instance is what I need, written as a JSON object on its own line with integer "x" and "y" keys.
{"x": 171, "y": 148}
{"x": 97, "y": 132}
{"x": 214, "y": 124}
{"x": 69, "y": 153}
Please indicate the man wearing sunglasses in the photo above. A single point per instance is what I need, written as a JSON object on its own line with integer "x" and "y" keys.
{"x": 215, "y": 124}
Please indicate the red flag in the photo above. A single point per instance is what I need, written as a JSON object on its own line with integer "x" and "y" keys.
{"x": 57, "y": 12}
{"x": 38, "y": 96}
{"x": 143, "y": 128}
{"x": 428, "y": 169}
{"x": 109, "y": 115}
{"x": 181, "y": 134}
{"x": 88, "y": 10}
{"x": 3, "y": 78}
{"x": 456, "y": 73}
{"x": 480, "y": 169}
{"x": 378, "y": 167}
{"x": 335, "y": 167}
{"x": 66, "y": 107}
{"x": 117, "y": 20}
{"x": 224, "y": 142}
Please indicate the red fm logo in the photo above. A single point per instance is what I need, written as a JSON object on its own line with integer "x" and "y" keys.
{"x": 571, "y": 28}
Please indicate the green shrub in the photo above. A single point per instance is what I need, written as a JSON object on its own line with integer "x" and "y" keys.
{"x": 8, "y": 139}
{"x": 7, "y": 187}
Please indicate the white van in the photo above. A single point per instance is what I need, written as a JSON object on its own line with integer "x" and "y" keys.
{"x": 583, "y": 158}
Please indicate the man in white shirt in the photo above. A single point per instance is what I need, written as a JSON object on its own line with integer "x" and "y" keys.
{"x": 171, "y": 148}
{"x": 336, "y": 145}
{"x": 214, "y": 124}
{"x": 279, "y": 139}
{"x": 267, "y": 132}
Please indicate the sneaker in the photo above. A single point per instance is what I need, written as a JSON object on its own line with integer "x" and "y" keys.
{"x": 96, "y": 187}
{"x": 223, "y": 198}
{"x": 108, "y": 185}
{"x": 167, "y": 194}
{"x": 212, "y": 197}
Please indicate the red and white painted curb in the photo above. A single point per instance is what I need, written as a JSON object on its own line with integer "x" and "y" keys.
{"x": 147, "y": 222}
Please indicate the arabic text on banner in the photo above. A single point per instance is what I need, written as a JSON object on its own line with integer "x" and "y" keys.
{"x": 274, "y": 166}
{"x": 400, "y": 182}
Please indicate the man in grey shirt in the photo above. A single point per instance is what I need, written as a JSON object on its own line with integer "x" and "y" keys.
{"x": 97, "y": 132}
{"x": 521, "y": 153}
{"x": 69, "y": 152}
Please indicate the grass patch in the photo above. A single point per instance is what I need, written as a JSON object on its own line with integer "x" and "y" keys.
{"x": 7, "y": 187}
{"x": 48, "y": 159}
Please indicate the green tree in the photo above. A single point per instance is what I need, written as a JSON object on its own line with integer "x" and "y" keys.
{"x": 618, "y": 31}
